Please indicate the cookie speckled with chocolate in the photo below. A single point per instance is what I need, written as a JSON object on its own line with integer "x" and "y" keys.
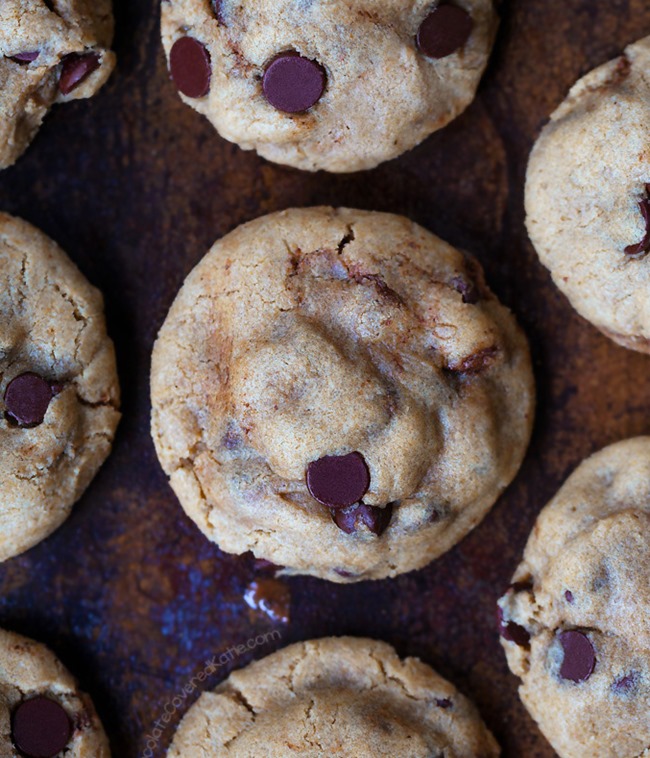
{"x": 58, "y": 386}
{"x": 42, "y": 712}
{"x": 326, "y": 394}
{"x": 345, "y": 697}
{"x": 588, "y": 197}
{"x": 576, "y": 621}
{"x": 312, "y": 84}
{"x": 49, "y": 53}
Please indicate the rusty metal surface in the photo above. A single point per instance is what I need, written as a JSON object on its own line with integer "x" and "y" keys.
{"x": 136, "y": 187}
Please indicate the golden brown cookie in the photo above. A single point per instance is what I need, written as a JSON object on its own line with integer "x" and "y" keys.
{"x": 352, "y": 698}
{"x": 339, "y": 392}
{"x": 59, "y": 391}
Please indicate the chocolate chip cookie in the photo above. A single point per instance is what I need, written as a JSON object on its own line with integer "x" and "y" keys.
{"x": 339, "y": 392}
{"x": 313, "y": 84}
{"x": 352, "y": 698}
{"x": 50, "y": 52}
{"x": 576, "y": 622}
{"x": 58, "y": 386}
{"x": 42, "y": 712}
{"x": 588, "y": 201}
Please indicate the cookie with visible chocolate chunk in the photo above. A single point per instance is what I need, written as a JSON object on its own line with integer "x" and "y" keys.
{"x": 59, "y": 392}
{"x": 312, "y": 84}
{"x": 43, "y": 714}
{"x": 588, "y": 197}
{"x": 576, "y": 622}
{"x": 353, "y": 698}
{"x": 50, "y": 52}
{"x": 339, "y": 392}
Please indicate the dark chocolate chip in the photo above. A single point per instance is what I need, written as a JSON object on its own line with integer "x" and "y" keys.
{"x": 191, "y": 70}
{"x": 467, "y": 289}
{"x": 75, "y": 69}
{"x": 338, "y": 481}
{"x": 579, "y": 656}
{"x": 345, "y": 574}
{"x": 217, "y": 7}
{"x": 445, "y": 30}
{"x": 511, "y": 631}
{"x": 444, "y": 704}
{"x": 642, "y": 247}
{"x": 27, "y": 399}
{"x": 351, "y": 519}
{"x": 25, "y": 57}
{"x": 568, "y": 595}
{"x": 271, "y": 597}
{"x": 40, "y": 727}
{"x": 626, "y": 684}
{"x": 293, "y": 84}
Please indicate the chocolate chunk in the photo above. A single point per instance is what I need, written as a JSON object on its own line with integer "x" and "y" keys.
{"x": 579, "y": 656}
{"x": 511, "y": 631}
{"x": 293, "y": 84}
{"x": 190, "y": 67}
{"x": 467, "y": 289}
{"x": 75, "y": 69}
{"x": 568, "y": 596}
{"x": 27, "y": 399}
{"x": 626, "y": 684}
{"x": 25, "y": 57}
{"x": 445, "y": 703}
{"x": 218, "y": 10}
{"x": 642, "y": 247}
{"x": 338, "y": 481}
{"x": 271, "y": 597}
{"x": 40, "y": 727}
{"x": 445, "y": 30}
{"x": 349, "y": 520}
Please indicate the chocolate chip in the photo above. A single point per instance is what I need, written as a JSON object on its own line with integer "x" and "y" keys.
{"x": 444, "y": 704}
{"x": 75, "y": 69}
{"x": 293, "y": 84}
{"x": 568, "y": 596}
{"x": 626, "y": 684}
{"x": 338, "y": 481}
{"x": 40, "y": 727}
{"x": 579, "y": 656}
{"x": 191, "y": 70}
{"x": 218, "y": 10}
{"x": 468, "y": 290}
{"x": 25, "y": 57}
{"x": 445, "y": 30}
{"x": 27, "y": 399}
{"x": 642, "y": 247}
{"x": 350, "y": 520}
{"x": 262, "y": 566}
{"x": 345, "y": 574}
{"x": 511, "y": 631}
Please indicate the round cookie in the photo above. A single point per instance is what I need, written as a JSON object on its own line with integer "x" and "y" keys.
{"x": 587, "y": 197}
{"x": 339, "y": 392}
{"x": 342, "y": 696}
{"x": 312, "y": 84}
{"x": 49, "y": 53}
{"x": 576, "y": 622}
{"x": 42, "y": 712}
{"x": 58, "y": 386}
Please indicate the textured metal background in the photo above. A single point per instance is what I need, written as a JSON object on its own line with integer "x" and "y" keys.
{"x": 136, "y": 187}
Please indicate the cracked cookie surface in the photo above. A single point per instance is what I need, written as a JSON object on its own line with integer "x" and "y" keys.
{"x": 50, "y": 52}
{"x": 338, "y": 343}
{"x": 29, "y": 671}
{"x": 337, "y": 81}
{"x": 588, "y": 197}
{"x": 334, "y": 696}
{"x": 52, "y": 334}
{"x": 576, "y": 621}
